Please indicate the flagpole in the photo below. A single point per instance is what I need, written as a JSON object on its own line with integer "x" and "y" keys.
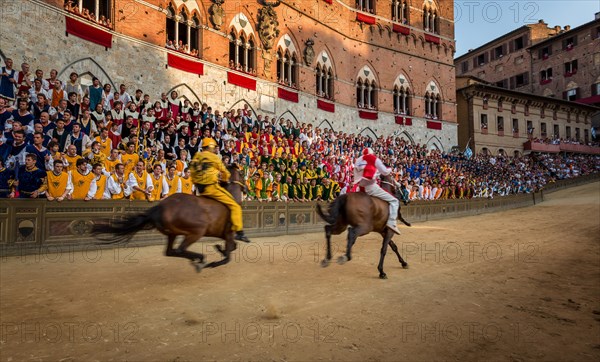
{"x": 469, "y": 141}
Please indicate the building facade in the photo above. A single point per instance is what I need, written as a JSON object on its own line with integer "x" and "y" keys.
{"x": 554, "y": 62}
{"x": 505, "y": 61}
{"x": 567, "y": 65}
{"x": 496, "y": 120}
{"x": 369, "y": 67}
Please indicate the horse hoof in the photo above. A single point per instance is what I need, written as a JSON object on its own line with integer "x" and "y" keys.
{"x": 383, "y": 276}
{"x": 404, "y": 266}
{"x": 325, "y": 263}
{"x": 342, "y": 260}
{"x": 198, "y": 265}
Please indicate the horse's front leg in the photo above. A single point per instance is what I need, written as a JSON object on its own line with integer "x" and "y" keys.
{"x": 196, "y": 259}
{"x": 386, "y": 240}
{"x": 353, "y": 233}
{"x": 395, "y": 249}
{"x": 328, "y": 232}
{"x": 230, "y": 246}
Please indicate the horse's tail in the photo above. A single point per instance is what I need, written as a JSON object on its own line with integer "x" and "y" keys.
{"x": 334, "y": 211}
{"x": 124, "y": 229}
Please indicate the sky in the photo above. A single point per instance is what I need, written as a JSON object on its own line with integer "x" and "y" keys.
{"x": 478, "y": 22}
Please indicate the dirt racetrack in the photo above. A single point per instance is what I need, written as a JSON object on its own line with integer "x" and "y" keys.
{"x": 517, "y": 285}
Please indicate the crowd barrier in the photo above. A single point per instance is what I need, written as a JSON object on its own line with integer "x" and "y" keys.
{"x": 33, "y": 226}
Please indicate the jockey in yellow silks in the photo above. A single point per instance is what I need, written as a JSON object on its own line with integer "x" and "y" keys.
{"x": 207, "y": 171}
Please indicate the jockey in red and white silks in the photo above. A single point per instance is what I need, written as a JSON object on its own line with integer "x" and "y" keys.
{"x": 366, "y": 169}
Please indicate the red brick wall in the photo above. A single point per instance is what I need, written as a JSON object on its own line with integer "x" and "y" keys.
{"x": 333, "y": 28}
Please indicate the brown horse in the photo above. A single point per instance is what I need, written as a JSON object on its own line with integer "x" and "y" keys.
{"x": 363, "y": 214}
{"x": 182, "y": 214}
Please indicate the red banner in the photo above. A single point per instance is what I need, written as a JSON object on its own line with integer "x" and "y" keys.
{"x": 365, "y": 18}
{"x": 186, "y": 65}
{"x": 397, "y": 28}
{"x": 432, "y": 39}
{"x": 241, "y": 81}
{"x": 88, "y": 32}
{"x": 434, "y": 125}
{"x": 589, "y": 100}
{"x": 367, "y": 115}
{"x": 399, "y": 120}
{"x": 329, "y": 2}
{"x": 326, "y": 106}
{"x": 408, "y": 121}
{"x": 287, "y": 95}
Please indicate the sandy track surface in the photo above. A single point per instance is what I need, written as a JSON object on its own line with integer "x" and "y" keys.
{"x": 516, "y": 285}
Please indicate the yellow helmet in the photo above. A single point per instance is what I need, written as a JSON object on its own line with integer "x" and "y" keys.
{"x": 208, "y": 142}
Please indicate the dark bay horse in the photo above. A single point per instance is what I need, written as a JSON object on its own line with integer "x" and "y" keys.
{"x": 362, "y": 214}
{"x": 182, "y": 214}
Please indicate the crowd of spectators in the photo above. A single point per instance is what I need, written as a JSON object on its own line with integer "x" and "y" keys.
{"x": 64, "y": 141}
{"x": 73, "y": 7}
{"x": 557, "y": 141}
{"x": 242, "y": 68}
{"x": 182, "y": 48}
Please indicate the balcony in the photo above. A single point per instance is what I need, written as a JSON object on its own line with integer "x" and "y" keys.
{"x": 545, "y": 81}
{"x": 540, "y": 147}
{"x": 515, "y": 134}
{"x": 590, "y": 150}
{"x": 563, "y": 147}
{"x": 484, "y": 131}
{"x": 571, "y": 73}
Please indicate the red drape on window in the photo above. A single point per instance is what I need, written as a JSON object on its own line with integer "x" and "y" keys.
{"x": 397, "y": 28}
{"x": 432, "y": 39}
{"x": 287, "y": 95}
{"x": 367, "y": 115}
{"x": 365, "y": 18}
{"x": 434, "y": 125}
{"x": 186, "y": 65}
{"x": 241, "y": 81}
{"x": 326, "y": 106}
{"x": 88, "y": 32}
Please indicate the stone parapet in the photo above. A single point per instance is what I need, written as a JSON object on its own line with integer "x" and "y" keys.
{"x": 31, "y": 226}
